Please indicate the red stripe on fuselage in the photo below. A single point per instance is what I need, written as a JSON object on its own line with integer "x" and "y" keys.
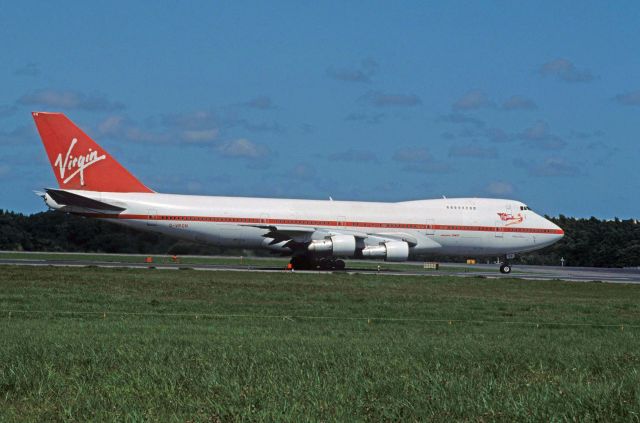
{"x": 332, "y": 223}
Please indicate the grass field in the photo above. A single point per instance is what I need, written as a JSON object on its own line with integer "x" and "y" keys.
{"x": 87, "y": 344}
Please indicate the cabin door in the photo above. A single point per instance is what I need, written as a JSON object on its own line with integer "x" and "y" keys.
{"x": 431, "y": 227}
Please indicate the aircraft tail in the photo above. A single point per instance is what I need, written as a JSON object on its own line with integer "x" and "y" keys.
{"x": 79, "y": 162}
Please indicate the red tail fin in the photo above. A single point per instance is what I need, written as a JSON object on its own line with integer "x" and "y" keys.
{"x": 78, "y": 162}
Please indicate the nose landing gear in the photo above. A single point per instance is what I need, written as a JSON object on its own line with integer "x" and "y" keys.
{"x": 505, "y": 268}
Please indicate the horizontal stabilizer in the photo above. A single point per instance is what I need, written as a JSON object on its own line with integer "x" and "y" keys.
{"x": 66, "y": 198}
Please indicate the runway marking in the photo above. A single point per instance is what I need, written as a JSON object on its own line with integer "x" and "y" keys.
{"x": 544, "y": 275}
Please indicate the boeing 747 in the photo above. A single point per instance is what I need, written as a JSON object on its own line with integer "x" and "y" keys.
{"x": 315, "y": 233}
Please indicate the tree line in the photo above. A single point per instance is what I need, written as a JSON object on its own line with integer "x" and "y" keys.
{"x": 60, "y": 232}
{"x": 587, "y": 242}
{"x": 591, "y": 242}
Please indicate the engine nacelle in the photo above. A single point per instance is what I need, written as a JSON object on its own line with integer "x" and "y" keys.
{"x": 390, "y": 251}
{"x": 336, "y": 245}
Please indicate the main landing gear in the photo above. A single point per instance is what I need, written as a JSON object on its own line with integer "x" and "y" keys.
{"x": 301, "y": 263}
{"x": 331, "y": 264}
{"x": 309, "y": 263}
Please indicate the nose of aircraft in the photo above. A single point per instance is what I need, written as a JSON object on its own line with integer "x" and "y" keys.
{"x": 551, "y": 233}
{"x": 557, "y": 233}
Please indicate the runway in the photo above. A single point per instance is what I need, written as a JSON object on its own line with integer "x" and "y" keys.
{"x": 542, "y": 273}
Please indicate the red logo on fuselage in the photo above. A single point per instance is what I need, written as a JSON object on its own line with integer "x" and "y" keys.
{"x": 511, "y": 219}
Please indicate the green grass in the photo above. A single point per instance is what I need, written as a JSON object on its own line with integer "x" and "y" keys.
{"x": 94, "y": 344}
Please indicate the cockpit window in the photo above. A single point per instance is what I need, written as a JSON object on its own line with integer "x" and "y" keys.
{"x": 524, "y": 208}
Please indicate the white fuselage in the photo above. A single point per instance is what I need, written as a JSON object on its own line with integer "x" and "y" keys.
{"x": 457, "y": 226}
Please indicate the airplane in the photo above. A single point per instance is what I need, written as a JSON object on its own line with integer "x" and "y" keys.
{"x": 317, "y": 234}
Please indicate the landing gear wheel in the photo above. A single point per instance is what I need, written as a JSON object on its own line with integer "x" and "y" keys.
{"x": 339, "y": 265}
{"x": 326, "y": 264}
{"x": 302, "y": 263}
{"x": 505, "y": 268}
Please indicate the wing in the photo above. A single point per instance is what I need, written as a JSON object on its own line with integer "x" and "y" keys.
{"x": 280, "y": 233}
{"x": 395, "y": 236}
{"x": 304, "y": 234}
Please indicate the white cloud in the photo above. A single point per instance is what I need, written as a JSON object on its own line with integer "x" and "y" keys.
{"x": 412, "y": 154}
{"x": 261, "y": 102}
{"x": 461, "y": 119}
{"x": 498, "y": 135}
{"x": 363, "y": 73}
{"x": 197, "y": 120}
{"x": 122, "y": 128}
{"x": 352, "y": 155}
{"x": 473, "y": 151}
{"x": 200, "y": 136}
{"x": 380, "y": 99}
{"x": 111, "y": 125}
{"x": 303, "y": 171}
{"x": 418, "y": 159}
{"x": 194, "y": 187}
{"x": 71, "y": 100}
{"x": 539, "y": 136}
{"x": 372, "y": 118}
{"x": 631, "y": 98}
{"x": 474, "y": 99}
{"x": 243, "y": 148}
{"x": 499, "y": 188}
{"x": 518, "y": 102}
{"x": 564, "y": 70}
{"x": 549, "y": 167}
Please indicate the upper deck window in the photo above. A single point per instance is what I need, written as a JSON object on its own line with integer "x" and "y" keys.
{"x": 465, "y": 207}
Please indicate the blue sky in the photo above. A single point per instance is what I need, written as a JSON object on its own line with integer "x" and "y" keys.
{"x": 538, "y": 102}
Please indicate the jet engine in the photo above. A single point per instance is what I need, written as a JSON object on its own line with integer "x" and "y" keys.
{"x": 336, "y": 245}
{"x": 390, "y": 251}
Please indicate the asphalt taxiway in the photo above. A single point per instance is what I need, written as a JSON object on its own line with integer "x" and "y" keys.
{"x": 573, "y": 274}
